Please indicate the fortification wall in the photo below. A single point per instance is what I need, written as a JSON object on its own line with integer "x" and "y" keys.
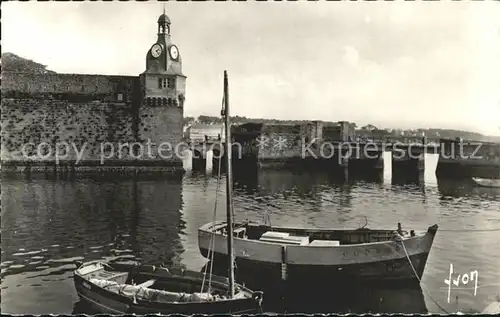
{"x": 332, "y": 133}
{"x": 69, "y": 86}
{"x": 470, "y": 152}
{"x": 468, "y": 159}
{"x": 35, "y": 127}
{"x": 281, "y": 141}
{"x": 95, "y": 133}
{"x": 162, "y": 128}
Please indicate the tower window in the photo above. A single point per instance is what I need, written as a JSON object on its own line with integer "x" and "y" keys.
{"x": 166, "y": 83}
{"x": 171, "y": 83}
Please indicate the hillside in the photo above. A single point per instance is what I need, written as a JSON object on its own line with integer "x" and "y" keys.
{"x": 14, "y": 63}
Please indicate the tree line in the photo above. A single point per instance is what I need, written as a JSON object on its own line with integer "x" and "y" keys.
{"x": 368, "y": 131}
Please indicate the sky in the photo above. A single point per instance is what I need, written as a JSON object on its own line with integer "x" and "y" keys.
{"x": 394, "y": 65}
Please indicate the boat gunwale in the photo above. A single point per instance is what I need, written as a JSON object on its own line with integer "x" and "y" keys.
{"x": 129, "y": 301}
{"x": 206, "y": 229}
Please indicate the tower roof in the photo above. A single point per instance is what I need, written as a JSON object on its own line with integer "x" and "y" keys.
{"x": 163, "y": 19}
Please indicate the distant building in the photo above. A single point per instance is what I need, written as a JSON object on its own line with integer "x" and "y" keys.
{"x": 199, "y": 132}
{"x": 342, "y": 131}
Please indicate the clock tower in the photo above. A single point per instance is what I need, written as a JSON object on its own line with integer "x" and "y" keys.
{"x": 163, "y": 83}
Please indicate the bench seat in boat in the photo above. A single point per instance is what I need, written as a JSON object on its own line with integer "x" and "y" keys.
{"x": 240, "y": 232}
{"x": 284, "y": 238}
{"x": 275, "y": 235}
{"x": 326, "y": 243}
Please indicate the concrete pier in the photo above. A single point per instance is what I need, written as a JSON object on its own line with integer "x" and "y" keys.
{"x": 366, "y": 159}
{"x": 408, "y": 162}
{"x": 465, "y": 159}
{"x": 316, "y": 146}
{"x": 205, "y": 155}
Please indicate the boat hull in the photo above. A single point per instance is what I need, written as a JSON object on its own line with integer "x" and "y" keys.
{"x": 375, "y": 262}
{"x": 396, "y": 270}
{"x": 484, "y": 182}
{"x": 101, "y": 300}
{"x": 105, "y": 305}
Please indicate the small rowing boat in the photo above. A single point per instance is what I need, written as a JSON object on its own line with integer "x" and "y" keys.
{"x": 124, "y": 288}
{"x": 487, "y": 182}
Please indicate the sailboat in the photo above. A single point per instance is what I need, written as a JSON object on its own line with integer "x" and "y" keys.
{"x": 125, "y": 288}
{"x": 313, "y": 254}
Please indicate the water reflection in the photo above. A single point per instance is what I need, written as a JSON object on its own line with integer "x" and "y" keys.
{"x": 245, "y": 181}
{"x": 410, "y": 187}
{"x": 357, "y": 299}
{"x": 449, "y": 188}
{"x": 79, "y": 308}
{"x": 48, "y": 224}
{"x": 280, "y": 192}
{"x": 404, "y": 180}
{"x": 338, "y": 297}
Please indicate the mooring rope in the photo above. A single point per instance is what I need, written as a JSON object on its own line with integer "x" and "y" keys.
{"x": 211, "y": 247}
{"x": 470, "y": 230}
{"x": 418, "y": 278}
{"x": 215, "y": 208}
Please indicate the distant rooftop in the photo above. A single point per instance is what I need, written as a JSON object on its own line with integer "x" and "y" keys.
{"x": 204, "y": 126}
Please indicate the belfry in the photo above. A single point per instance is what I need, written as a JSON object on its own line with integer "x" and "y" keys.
{"x": 163, "y": 83}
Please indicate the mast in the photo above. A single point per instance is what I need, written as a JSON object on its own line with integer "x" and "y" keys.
{"x": 229, "y": 189}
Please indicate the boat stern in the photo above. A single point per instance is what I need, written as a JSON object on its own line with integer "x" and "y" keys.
{"x": 205, "y": 234}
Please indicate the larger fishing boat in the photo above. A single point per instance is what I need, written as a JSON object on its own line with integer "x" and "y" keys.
{"x": 305, "y": 253}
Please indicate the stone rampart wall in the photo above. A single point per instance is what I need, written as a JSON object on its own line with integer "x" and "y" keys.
{"x": 281, "y": 141}
{"x": 470, "y": 151}
{"x": 62, "y": 86}
{"x": 102, "y": 132}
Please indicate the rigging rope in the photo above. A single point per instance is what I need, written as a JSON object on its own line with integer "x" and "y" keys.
{"x": 211, "y": 247}
{"x": 418, "y": 278}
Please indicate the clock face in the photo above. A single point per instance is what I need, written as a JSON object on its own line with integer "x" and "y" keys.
{"x": 156, "y": 50}
{"x": 174, "y": 52}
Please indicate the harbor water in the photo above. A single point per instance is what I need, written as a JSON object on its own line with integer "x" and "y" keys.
{"x": 47, "y": 224}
